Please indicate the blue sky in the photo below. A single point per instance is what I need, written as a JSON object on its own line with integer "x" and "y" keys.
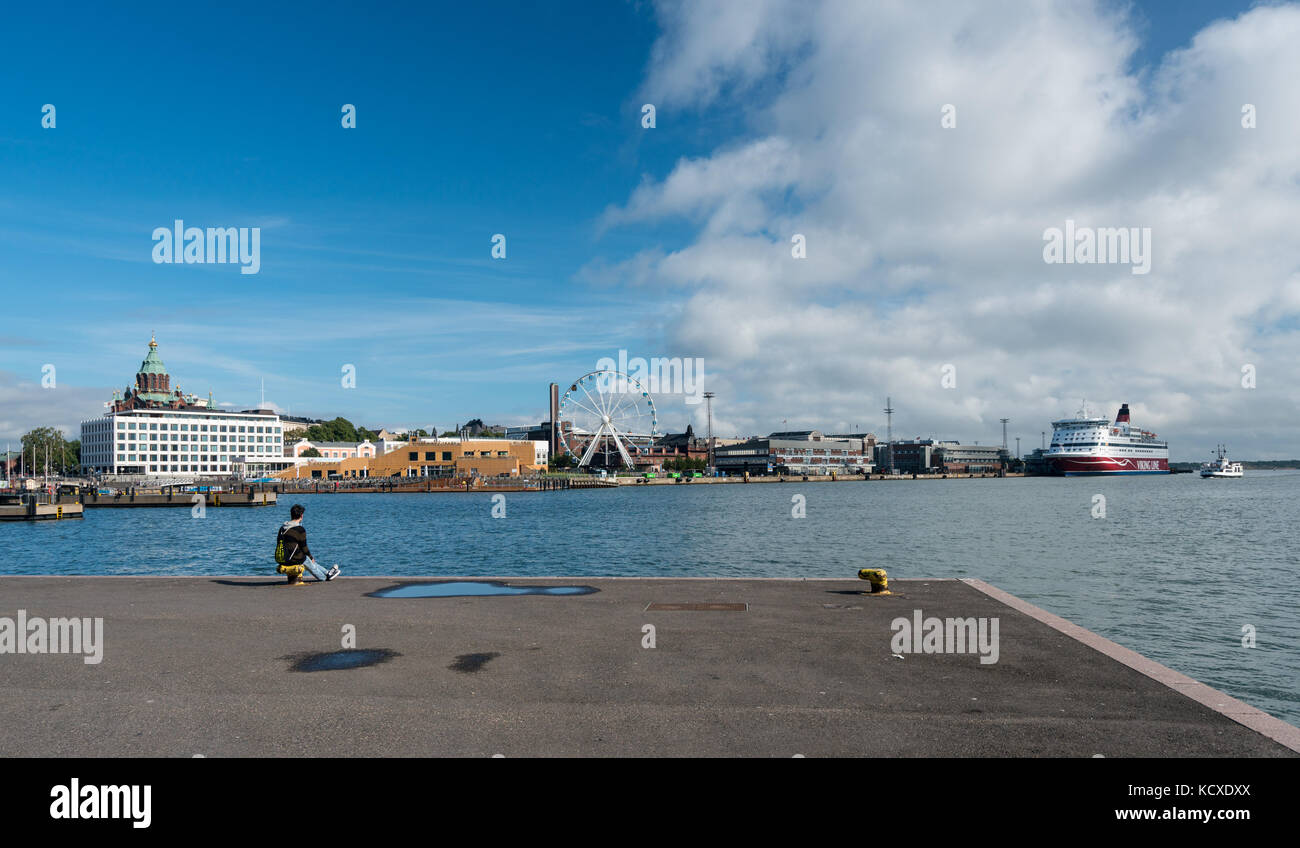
{"x": 472, "y": 119}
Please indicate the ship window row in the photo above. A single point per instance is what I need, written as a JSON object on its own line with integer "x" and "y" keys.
{"x": 1114, "y": 445}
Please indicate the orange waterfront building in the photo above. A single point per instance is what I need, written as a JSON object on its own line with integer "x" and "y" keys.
{"x": 436, "y": 458}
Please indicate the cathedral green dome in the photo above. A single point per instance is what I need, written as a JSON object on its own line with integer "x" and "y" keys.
{"x": 152, "y": 364}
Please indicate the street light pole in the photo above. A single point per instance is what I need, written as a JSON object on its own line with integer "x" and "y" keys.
{"x": 889, "y": 432}
{"x": 708, "y": 405}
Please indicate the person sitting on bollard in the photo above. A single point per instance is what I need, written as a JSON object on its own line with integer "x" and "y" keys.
{"x": 291, "y": 550}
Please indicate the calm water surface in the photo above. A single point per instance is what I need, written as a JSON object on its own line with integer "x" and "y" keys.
{"x": 1174, "y": 571}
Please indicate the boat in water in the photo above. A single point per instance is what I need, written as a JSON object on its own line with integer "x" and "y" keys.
{"x": 1091, "y": 445}
{"x": 1221, "y": 467}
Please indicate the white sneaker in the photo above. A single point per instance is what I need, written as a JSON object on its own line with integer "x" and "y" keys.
{"x": 332, "y": 573}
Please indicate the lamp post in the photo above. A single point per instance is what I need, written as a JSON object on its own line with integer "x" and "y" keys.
{"x": 889, "y": 432}
{"x": 708, "y": 404}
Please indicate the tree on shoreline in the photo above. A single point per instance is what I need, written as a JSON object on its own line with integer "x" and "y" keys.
{"x": 338, "y": 430}
{"x": 64, "y": 455}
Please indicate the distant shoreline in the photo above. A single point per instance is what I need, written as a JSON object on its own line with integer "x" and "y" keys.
{"x": 1256, "y": 465}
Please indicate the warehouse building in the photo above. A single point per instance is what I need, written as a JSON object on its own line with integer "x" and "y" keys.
{"x": 799, "y": 452}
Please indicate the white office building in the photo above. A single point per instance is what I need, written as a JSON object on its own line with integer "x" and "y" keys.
{"x": 152, "y": 430}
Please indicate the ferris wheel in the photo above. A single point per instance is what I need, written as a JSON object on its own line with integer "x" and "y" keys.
{"x": 607, "y": 418}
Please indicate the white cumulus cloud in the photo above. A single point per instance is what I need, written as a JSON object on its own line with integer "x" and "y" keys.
{"x": 925, "y": 244}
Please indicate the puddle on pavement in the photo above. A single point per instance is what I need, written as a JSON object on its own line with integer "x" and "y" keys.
{"x": 469, "y": 663}
{"x": 471, "y": 588}
{"x": 340, "y": 660}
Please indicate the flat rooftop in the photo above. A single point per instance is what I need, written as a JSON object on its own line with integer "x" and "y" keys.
{"x": 206, "y": 666}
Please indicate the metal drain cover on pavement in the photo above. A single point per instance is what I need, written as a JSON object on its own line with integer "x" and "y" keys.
{"x": 697, "y": 608}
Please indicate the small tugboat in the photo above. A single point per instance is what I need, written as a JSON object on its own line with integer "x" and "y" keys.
{"x": 1221, "y": 467}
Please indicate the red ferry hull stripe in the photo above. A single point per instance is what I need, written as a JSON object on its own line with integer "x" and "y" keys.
{"x": 1108, "y": 465}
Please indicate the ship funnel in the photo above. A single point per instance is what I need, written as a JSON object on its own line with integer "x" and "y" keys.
{"x": 1122, "y": 417}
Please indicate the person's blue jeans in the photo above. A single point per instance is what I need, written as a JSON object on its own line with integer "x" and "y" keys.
{"x": 314, "y": 567}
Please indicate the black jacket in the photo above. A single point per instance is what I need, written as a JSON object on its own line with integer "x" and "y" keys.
{"x": 295, "y": 543}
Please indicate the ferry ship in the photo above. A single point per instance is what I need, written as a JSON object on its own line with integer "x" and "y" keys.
{"x": 1086, "y": 445}
{"x": 1221, "y": 466}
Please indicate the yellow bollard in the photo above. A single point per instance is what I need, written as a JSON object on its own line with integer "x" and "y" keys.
{"x": 294, "y": 572}
{"x": 878, "y": 579}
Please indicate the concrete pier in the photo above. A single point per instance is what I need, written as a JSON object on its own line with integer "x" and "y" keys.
{"x": 30, "y": 510}
{"x": 222, "y": 667}
{"x": 128, "y": 500}
{"x": 663, "y": 479}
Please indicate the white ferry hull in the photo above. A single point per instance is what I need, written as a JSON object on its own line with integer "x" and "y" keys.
{"x": 1088, "y": 447}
